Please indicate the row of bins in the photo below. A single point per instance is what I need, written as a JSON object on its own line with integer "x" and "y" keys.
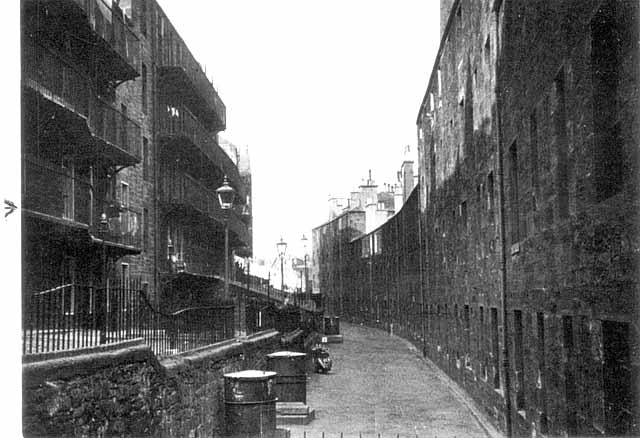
{"x": 250, "y": 395}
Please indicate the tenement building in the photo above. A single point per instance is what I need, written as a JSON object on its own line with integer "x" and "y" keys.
{"x": 120, "y": 156}
{"x": 528, "y": 174}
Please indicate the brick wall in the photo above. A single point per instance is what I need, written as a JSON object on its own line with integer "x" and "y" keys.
{"x": 124, "y": 390}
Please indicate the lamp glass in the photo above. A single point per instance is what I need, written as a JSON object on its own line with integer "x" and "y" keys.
{"x": 225, "y": 194}
{"x": 282, "y": 247}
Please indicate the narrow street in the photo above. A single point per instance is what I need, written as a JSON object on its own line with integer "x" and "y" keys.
{"x": 380, "y": 385}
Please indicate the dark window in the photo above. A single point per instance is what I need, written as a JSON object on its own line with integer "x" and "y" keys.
{"x": 542, "y": 366}
{"x": 490, "y": 194}
{"x": 533, "y": 138}
{"x": 144, "y": 88}
{"x": 569, "y": 380}
{"x": 618, "y": 380}
{"x": 143, "y": 17}
{"x": 519, "y": 359}
{"x": 495, "y": 347}
{"x": 145, "y": 228}
{"x": 605, "y": 64}
{"x": 513, "y": 192}
{"x": 145, "y": 158}
{"x": 560, "y": 130}
{"x": 463, "y": 214}
{"x": 123, "y": 127}
{"x": 467, "y": 329}
{"x": 487, "y": 50}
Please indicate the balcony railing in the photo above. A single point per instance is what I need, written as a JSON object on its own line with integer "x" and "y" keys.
{"x": 176, "y": 56}
{"x": 178, "y": 121}
{"x": 181, "y": 188}
{"x": 54, "y": 191}
{"x": 196, "y": 260}
{"x": 58, "y": 81}
{"x": 108, "y": 23}
{"x": 124, "y": 224}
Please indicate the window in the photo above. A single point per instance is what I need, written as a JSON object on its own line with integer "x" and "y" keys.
{"x": 495, "y": 348}
{"x": 143, "y": 17}
{"x": 467, "y": 335}
{"x": 124, "y": 194}
{"x": 123, "y": 127}
{"x": 560, "y": 129}
{"x": 513, "y": 192}
{"x": 144, "y": 88}
{"x": 569, "y": 380}
{"x": 609, "y": 159}
{"x": 487, "y": 50}
{"x": 490, "y": 200}
{"x": 145, "y": 158}
{"x": 542, "y": 366}
{"x": 519, "y": 359}
{"x": 463, "y": 214}
{"x": 145, "y": 228}
{"x": 618, "y": 377}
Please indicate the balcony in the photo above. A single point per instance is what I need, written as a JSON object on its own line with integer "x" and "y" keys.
{"x": 99, "y": 33}
{"x": 60, "y": 195}
{"x": 124, "y": 225}
{"x": 181, "y": 75}
{"x": 53, "y": 193}
{"x": 66, "y": 95}
{"x": 179, "y": 188}
{"x": 179, "y": 124}
{"x": 196, "y": 261}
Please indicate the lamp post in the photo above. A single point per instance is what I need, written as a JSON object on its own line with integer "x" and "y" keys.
{"x": 306, "y": 273}
{"x": 226, "y": 194}
{"x": 282, "y": 249}
{"x": 103, "y": 228}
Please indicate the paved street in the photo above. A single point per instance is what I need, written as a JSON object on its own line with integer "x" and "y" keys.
{"x": 380, "y": 385}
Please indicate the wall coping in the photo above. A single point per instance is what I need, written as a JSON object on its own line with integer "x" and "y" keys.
{"x": 39, "y": 368}
{"x": 65, "y": 366}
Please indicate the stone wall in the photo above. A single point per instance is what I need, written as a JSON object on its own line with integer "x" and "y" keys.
{"x": 123, "y": 390}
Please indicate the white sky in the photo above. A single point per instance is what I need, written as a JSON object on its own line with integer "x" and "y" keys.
{"x": 320, "y": 91}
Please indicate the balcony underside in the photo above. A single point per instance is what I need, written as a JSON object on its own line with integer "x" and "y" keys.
{"x": 239, "y": 235}
{"x": 49, "y": 122}
{"x": 174, "y": 81}
{"x": 47, "y": 228}
{"x": 54, "y": 21}
{"x": 182, "y": 144}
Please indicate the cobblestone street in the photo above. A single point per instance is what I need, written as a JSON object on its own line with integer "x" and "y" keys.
{"x": 380, "y": 385}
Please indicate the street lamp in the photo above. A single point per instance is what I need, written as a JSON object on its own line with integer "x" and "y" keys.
{"x": 282, "y": 249}
{"x": 306, "y": 274}
{"x": 226, "y": 194}
{"x": 103, "y": 228}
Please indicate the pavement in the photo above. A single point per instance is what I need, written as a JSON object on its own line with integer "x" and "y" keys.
{"x": 380, "y": 386}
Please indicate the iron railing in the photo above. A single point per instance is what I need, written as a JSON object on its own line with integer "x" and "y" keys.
{"x": 72, "y": 316}
{"x": 124, "y": 223}
{"x": 196, "y": 260}
{"x": 60, "y": 82}
{"x": 176, "y": 54}
{"x": 109, "y": 24}
{"x": 181, "y": 188}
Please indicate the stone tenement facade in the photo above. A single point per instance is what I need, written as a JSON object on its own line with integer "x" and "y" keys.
{"x": 528, "y": 167}
{"x": 120, "y": 155}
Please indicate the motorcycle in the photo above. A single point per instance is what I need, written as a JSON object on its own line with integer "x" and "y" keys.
{"x": 321, "y": 359}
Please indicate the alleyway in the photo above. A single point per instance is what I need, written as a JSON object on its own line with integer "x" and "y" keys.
{"x": 380, "y": 385}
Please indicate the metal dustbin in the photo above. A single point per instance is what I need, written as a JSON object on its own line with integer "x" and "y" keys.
{"x": 250, "y": 403}
{"x": 331, "y": 325}
{"x": 291, "y": 379}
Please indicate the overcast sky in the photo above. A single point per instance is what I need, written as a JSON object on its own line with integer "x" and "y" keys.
{"x": 320, "y": 91}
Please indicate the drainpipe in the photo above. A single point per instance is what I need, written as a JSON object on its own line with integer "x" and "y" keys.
{"x": 503, "y": 245}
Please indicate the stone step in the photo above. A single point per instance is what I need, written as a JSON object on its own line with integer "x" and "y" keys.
{"x": 291, "y": 408}
{"x": 331, "y": 339}
{"x": 295, "y": 419}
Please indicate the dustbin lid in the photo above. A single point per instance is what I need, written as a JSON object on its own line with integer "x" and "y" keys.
{"x": 286, "y": 354}
{"x": 250, "y": 375}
